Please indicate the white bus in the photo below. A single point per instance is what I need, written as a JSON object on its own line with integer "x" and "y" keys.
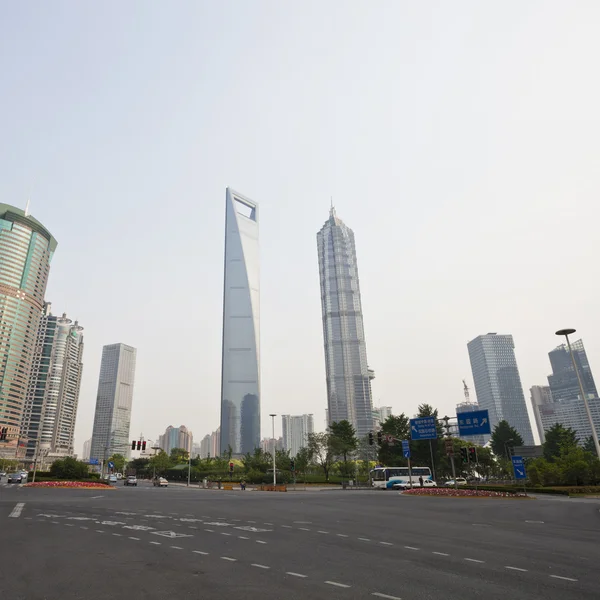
{"x": 386, "y": 477}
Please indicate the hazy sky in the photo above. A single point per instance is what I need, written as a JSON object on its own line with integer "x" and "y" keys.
{"x": 458, "y": 139}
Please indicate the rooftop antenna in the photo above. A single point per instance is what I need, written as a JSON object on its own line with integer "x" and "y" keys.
{"x": 331, "y": 209}
{"x": 27, "y": 207}
{"x": 466, "y": 390}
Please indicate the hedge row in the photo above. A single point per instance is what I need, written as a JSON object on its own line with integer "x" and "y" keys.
{"x": 561, "y": 491}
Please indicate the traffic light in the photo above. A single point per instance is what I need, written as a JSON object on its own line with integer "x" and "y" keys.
{"x": 473, "y": 454}
{"x": 371, "y": 440}
{"x": 464, "y": 456}
{"x": 144, "y": 446}
{"x": 292, "y": 464}
{"x": 139, "y": 445}
{"x": 231, "y": 467}
{"x": 133, "y": 445}
{"x": 379, "y": 437}
{"x": 3, "y": 433}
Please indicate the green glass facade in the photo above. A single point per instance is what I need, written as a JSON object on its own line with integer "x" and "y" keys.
{"x": 26, "y": 250}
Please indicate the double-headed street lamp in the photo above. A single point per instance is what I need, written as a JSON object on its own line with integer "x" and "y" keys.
{"x": 273, "y": 415}
{"x": 567, "y": 333}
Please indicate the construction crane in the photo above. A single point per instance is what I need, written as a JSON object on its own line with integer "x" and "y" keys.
{"x": 466, "y": 390}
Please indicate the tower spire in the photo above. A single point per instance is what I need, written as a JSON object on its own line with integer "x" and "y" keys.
{"x": 331, "y": 208}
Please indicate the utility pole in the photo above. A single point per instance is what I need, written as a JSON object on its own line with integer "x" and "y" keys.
{"x": 447, "y": 426}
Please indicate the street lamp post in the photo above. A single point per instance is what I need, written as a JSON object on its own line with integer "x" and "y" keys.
{"x": 155, "y": 448}
{"x": 189, "y": 467}
{"x": 566, "y": 333}
{"x": 272, "y": 415}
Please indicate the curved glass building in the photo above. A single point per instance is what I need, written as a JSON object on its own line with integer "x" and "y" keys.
{"x": 240, "y": 376}
{"x": 26, "y": 250}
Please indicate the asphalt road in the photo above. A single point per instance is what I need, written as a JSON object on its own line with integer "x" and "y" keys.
{"x": 154, "y": 543}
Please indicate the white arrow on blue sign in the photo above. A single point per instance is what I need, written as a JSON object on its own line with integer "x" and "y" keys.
{"x": 519, "y": 467}
{"x": 405, "y": 448}
{"x": 423, "y": 428}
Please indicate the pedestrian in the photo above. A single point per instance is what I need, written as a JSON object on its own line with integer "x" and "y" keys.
{"x": 421, "y": 480}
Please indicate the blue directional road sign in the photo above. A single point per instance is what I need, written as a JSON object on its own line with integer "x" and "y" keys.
{"x": 474, "y": 423}
{"x": 519, "y": 467}
{"x": 405, "y": 448}
{"x": 111, "y": 464}
{"x": 94, "y": 461}
{"x": 423, "y": 428}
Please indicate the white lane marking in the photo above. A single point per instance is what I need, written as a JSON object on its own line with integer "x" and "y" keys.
{"x": 200, "y": 552}
{"x": 229, "y": 558}
{"x": 177, "y": 547}
{"x": 440, "y": 553}
{"x": 364, "y": 539}
{"x": 16, "y": 511}
{"x": 260, "y": 542}
{"x": 259, "y": 566}
{"x": 222, "y": 533}
{"x": 295, "y": 574}
{"x": 341, "y": 535}
{"x": 267, "y": 523}
{"x": 134, "y": 538}
{"x": 117, "y": 534}
{"x": 68, "y": 525}
{"x": 322, "y": 531}
{"x": 534, "y": 521}
{"x": 516, "y": 569}
{"x": 386, "y": 543}
{"x": 287, "y": 526}
{"x": 563, "y": 578}
{"x": 303, "y": 528}
{"x": 250, "y": 521}
{"x": 156, "y": 543}
{"x": 95, "y": 497}
{"x": 243, "y": 537}
{"x": 342, "y": 585}
{"x": 474, "y": 560}
{"x": 387, "y": 596}
{"x": 82, "y": 527}
{"x": 411, "y": 548}
{"x": 99, "y": 531}
{"x": 211, "y": 530}
{"x": 56, "y": 523}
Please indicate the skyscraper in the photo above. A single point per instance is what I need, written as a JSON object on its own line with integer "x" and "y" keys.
{"x": 497, "y": 382}
{"x": 26, "y": 249}
{"x": 540, "y": 396}
{"x": 563, "y": 381}
{"x": 240, "y": 376}
{"x": 348, "y": 376}
{"x": 53, "y": 390}
{"x": 295, "y": 430}
{"x": 176, "y": 437}
{"x": 112, "y": 418}
{"x": 87, "y": 447}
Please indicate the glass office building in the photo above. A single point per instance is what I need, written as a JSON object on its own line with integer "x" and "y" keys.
{"x": 498, "y": 383}
{"x": 112, "y": 418}
{"x": 563, "y": 381}
{"x": 348, "y": 376}
{"x": 240, "y": 374}
{"x": 26, "y": 250}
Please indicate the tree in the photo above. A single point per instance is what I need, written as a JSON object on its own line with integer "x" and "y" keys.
{"x": 119, "y": 462}
{"x": 179, "y": 455}
{"x": 399, "y": 427}
{"x": 139, "y": 465}
{"x": 302, "y": 461}
{"x": 343, "y": 441}
{"x": 160, "y": 462}
{"x": 560, "y": 440}
{"x": 589, "y": 445}
{"x": 258, "y": 461}
{"x": 320, "y": 450}
{"x": 504, "y": 439}
{"x": 69, "y": 468}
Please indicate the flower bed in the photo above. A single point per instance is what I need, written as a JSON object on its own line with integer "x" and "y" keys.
{"x": 70, "y": 484}
{"x": 462, "y": 493}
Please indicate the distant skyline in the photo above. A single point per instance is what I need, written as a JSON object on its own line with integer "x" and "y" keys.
{"x": 459, "y": 141}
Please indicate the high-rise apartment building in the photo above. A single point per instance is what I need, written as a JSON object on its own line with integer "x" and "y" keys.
{"x": 205, "y": 446}
{"x": 215, "y": 442}
{"x": 112, "y": 418}
{"x": 87, "y": 448}
{"x": 563, "y": 381}
{"x": 267, "y": 444}
{"x": 295, "y": 430}
{"x": 381, "y": 414}
{"x": 176, "y": 437}
{"x": 540, "y": 396}
{"x": 348, "y": 376}
{"x": 26, "y": 250}
{"x": 240, "y": 377}
{"x": 498, "y": 383}
{"x": 53, "y": 391}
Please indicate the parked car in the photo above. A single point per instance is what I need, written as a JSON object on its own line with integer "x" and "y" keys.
{"x": 131, "y": 480}
{"x": 2, "y": 473}
{"x": 459, "y": 481}
{"x": 160, "y": 482}
{"x": 17, "y": 478}
{"x": 112, "y": 479}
